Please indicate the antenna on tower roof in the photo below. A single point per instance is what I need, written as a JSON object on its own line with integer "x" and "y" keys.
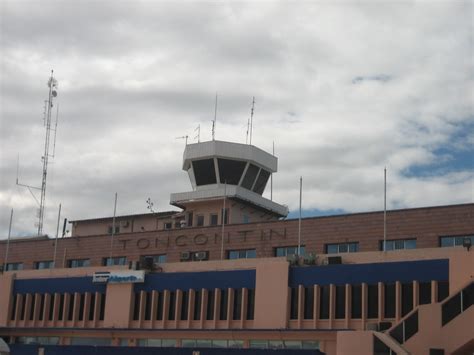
{"x": 53, "y": 93}
{"x": 184, "y": 137}
{"x": 198, "y": 135}
{"x": 251, "y": 119}
{"x": 215, "y": 120}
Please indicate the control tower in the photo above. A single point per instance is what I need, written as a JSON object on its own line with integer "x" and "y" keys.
{"x": 236, "y": 173}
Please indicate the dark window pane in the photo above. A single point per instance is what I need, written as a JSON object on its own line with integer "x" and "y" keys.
{"x": 32, "y": 307}
{"x": 41, "y": 311}
{"x": 172, "y": 306}
{"x": 294, "y": 303}
{"x": 372, "y": 301}
{"x": 237, "y": 304}
{"x": 308, "y": 302}
{"x": 204, "y": 172}
{"x": 250, "y": 176}
{"x": 380, "y": 348}
{"x": 61, "y": 307}
{"x": 184, "y": 305}
{"x": 468, "y": 296}
{"x": 261, "y": 181}
{"x": 353, "y": 247}
{"x": 324, "y": 302}
{"x": 200, "y": 221}
{"x": 340, "y": 302}
{"x": 82, "y": 299}
{"x": 71, "y": 307}
{"x": 13, "y": 309}
{"x": 446, "y": 241}
{"x": 450, "y": 309}
{"x": 136, "y": 306}
{"x": 411, "y": 325}
{"x": 389, "y": 308}
{"x": 92, "y": 307}
{"x": 223, "y": 304}
{"x": 210, "y": 305}
{"x": 197, "y": 305}
{"x": 332, "y": 249}
{"x": 397, "y": 333}
{"x": 443, "y": 290}
{"x": 148, "y": 306}
{"x": 159, "y": 308}
{"x": 213, "y": 220}
{"x": 51, "y": 306}
{"x": 424, "y": 293}
{"x": 230, "y": 171}
{"x": 410, "y": 244}
{"x": 343, "y": 248}
{"x": 103, "y": 299}
{"x": 356, "y": 302}
{"x": 250, "y": 303}
{"x": 407, "y": 298}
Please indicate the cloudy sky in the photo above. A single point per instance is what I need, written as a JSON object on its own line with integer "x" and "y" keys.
{"x": 342, "y": 88}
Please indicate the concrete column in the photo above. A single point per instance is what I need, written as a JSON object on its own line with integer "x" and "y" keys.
{"x": 87, "y": 306}
{"x": 434, "y": 291}
{"x": 6, "y": 298}
{"x": 204, "y": 298}
{"x": 37, "y": 309}
{"x": 191, "y": 303}
{"x": 416, "y": 292}
{"x": 332, "y": 304}
{"x": 166, "y": 307}
{"x": 243, "y": 310}
{"x": 316, "y": 306}
{"x": 97, "y": 308}
{"x": 47, "y": 307}
{"x": 381, "y": 301}
{"x": 118, "y": 307}
{"x": 363, "y": 318}
{"x": 301, "y": 303}
{"x": 153, "y": 308}
{"x": 230, "y": 306}
{"x": 348, "y": 305}
{"x": 398, "y": 301}
{"x": 217, "y": 300}
{"x": 141, "y": 308}
{"x": 271, "y": 294}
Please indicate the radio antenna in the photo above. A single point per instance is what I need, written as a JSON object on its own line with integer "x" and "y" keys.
{"x": 215, "y": 120}
{"x": 52, "y": 94}
{"x": 198, "y": 135}
{"x": 251, "y": 119}
{"x": 185, "y": 138}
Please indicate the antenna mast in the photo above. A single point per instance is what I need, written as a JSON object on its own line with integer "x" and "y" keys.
{"x": 53, "y": 93}
{"x": 198, "y": 135}
{"x": 251, "y": 119}
{"x": 215, "y": 120}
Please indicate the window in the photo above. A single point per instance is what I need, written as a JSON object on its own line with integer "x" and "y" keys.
{"x": 454, "y": 241}
{"x": 261, "y": 181}
{"x": 424, "y": 293}
{"x": 356, "y": 301}
{"x": 225, "y": 215}
{"x": 14, "y": 266}
{"x": 158, "y": 343}
{"x": 230, "y": 171}
{"x": 390, "y": 299}
{"x": 398, "y": 244}
{"x": 110, "y": 228}
{"x": 157, "y": 259}
{"x": 204, "y": 172}
{"x": 324, "y": 302}
{"x": 190, "y": 219}
{"x": 242, "y": 254}
{"x": 250, "y": 303}
{"x": 200, "y": 220}
{"x": 184, "y": 305}
{"x": 245, "y": 219}
{"x": 237, "y": 309}
{"x": 407, "y": 298}
{"x": 168, "y": 225}
{"x": 250, "y": 176}
{"x": 292, "y": 250}
{"x": 340, "y": 301}
{"x": 213, "y": 219}
{"x": 39, "y": 265}
{"x": 342, "y": 248}
{"x": 294, "y": 303}
{"x": 223, "y": 304}
{"x": 197, "y": 305}
{"x": 308, "y": 302}
{"x": 117, "y": 260}
{"x": 210, "y": 305}
{"x": 372, "y": 301}
{"x": 78, "y": 263}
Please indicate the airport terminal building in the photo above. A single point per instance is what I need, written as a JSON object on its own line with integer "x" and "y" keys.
{"x": 229, "y": 274}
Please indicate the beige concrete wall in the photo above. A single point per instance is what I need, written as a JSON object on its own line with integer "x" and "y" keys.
{"x": 6, "y": 287}
{"x": 354, "y": 342}
{"x": 118, "y": 306}
{"x": 271, "y": 296}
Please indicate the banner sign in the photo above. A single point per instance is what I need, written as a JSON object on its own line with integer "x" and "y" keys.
{"x": 116, "y": 277}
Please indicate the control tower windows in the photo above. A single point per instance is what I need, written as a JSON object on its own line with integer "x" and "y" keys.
{"x": 250, "y": 176}
{"x": 230, "y": 171}
{"x": 261, "y": 181}
{"x": 204, "y": 172}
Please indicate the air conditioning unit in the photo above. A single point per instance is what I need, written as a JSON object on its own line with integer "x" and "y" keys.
{"x": 146, "y": 263}
{"x": 185, "y": 255}
{"x": 201, "y": 255}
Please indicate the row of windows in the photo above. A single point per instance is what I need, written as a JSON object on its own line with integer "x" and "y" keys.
{"x": 334, "y": 248}
{"x": 58, "y": 307}
{"x": 424, "y": 297}
{"x": 185, "y": 343}
{"x": 183, "y": 313}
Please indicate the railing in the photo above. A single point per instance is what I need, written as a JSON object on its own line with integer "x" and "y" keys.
{"x": 457, "y": 304}
{"x": 406, "y": 328}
